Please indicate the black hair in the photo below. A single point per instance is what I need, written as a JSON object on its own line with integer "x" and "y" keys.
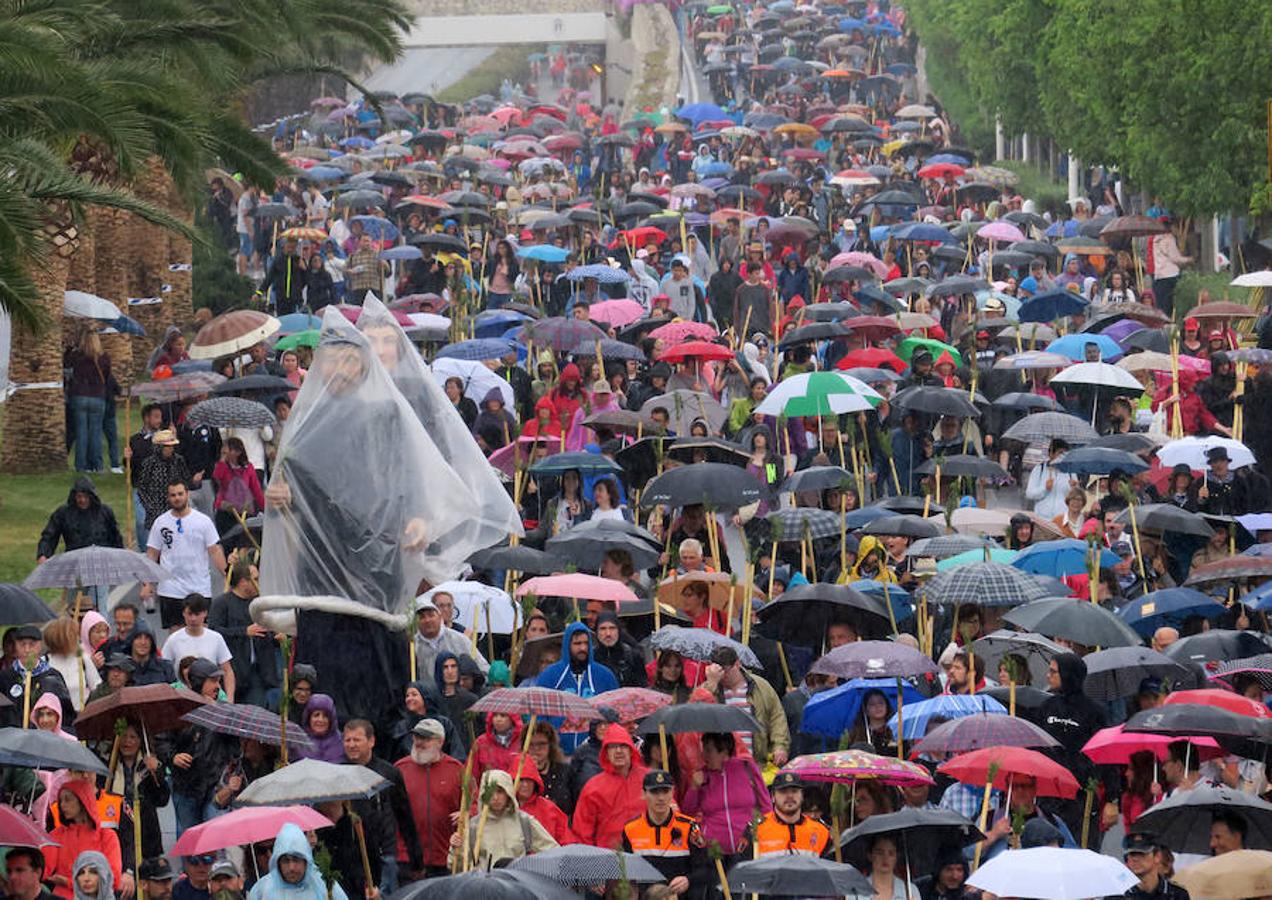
{"x": 1236, "y": 823}
{"x": 195, "y": 603}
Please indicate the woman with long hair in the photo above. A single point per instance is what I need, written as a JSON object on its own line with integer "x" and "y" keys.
{"x": 881, "y": 868}
{"x": 238, "y": 488}
{"x": 545, "y": 752}
{"x": 606, "y": 502}
{"x": 87, "y": 394}
{"x": 500, "y": 275}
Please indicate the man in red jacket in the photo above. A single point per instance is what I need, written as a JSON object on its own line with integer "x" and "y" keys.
{"x": 434, "y": 785}
{"x": 613, "y": 798}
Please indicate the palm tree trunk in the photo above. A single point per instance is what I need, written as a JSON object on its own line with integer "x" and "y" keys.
{"x": 180, "y": 256}
{"x": 145, "y": 247}
{"x": 111, "y": 278}
{"x": 35, "y": 418}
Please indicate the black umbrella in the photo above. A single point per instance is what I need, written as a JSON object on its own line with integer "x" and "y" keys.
{"x": 801, "y": 615}
{"x": 34, "y": 749}
{"x": 22, "y": 606}
{"x": 586, "y": 544}
{"x": 498, "y": 884}
{"x": 1070, "y": 619}
{"x": 1028, "y": 699}
{"x": 816, "y": 478}
{"x": 439, "y": 241}
{"x": 797, "y": 875}
{"x": 1027, "y": 402}
{"x": 1243, "y": 735}
{"x": 905, "y": 503}
{"x": 520, "y": 558}
{"x": 704, "y": 717}
{"x": 1166, "y": 517}
{"x": 920, "y": 835}
{"x": 638, "y": 617}
{"x": 714, "y": 484}
{"x": 1148, "y": 339}
{"x": 904, "y": 525}
{"x": 963, "y": 465}
{"x": 264, "y": 383}
{"x": 1182, "y": 822}
{"x": 640, "y": 459}
{"x": 1217, "y": 645}
{"x": 817, "y": 331}
{"x": 937, "y": 400}
{"x": 1131, "y": 442}
{"x": 1116, "y": 673}
{"x": 716, "y": 450}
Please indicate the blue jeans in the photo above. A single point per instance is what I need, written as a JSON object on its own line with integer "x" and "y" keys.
{"x": 139, "y": 521}
{"x": 110, "y": 428}
{"x": 191, "y": 811}
{"x": 88, "y": 414}
{"x": 388, "y": 874}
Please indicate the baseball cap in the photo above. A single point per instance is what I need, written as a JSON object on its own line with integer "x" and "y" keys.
{"x": 224, "y": 868}
{"x": 1138, "y": 842}
{"x": 657, "y": 780}
{"x": 27, "y": 632}
{"x": 202, "y": 669}
{"x": 1039, "y": 833}
{"x": 156, "y": 869}
{"x": 786, "y": 780}
{"x": 428, "y": 728}
{"x": 425, "y": 603}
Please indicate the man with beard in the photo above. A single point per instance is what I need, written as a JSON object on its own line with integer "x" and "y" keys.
{"x": 433, "y": 784}
{"x": 786, "y": 829}
{"x": 577, "y": 673}
{"x": 615, "y": 653}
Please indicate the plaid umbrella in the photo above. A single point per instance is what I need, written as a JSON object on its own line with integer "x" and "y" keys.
{"x": 981, "y": 730}
{"x": 1052, "y": 779}
{"x": 985, "y": 584}
{"x": 94, "y": 567}
{"x": 562, "y": 334}
{"x": 230, "y": 412}
{"x": 1231, "y": 569}
{"x": 697, "y": 644}
{"x": 31, "y": 748}
{"x": 947, "y": 545}
{"x": 1116, "y": 673}
{"x": 157, "y": 707}
{"x": 20, "y": 606}
{"x": 536, "y": 701}
{"x": 578, "y": 865}
{"x": 947, "y": 706}
{"x": 312, "y": 781}
{"x": 793, "y": 523}
{"x": 631, "y": 703}
{"x": 1036, "y": 650}
{"x": 178, "y": 387}
{"x": 874, "y": 659}
{"x": 477, "y": 349}
{"x": 845, "y": 766}
{"x": 246, "y": 721}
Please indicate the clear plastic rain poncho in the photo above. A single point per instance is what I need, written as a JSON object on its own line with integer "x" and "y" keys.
{"x": 375, "y": 507}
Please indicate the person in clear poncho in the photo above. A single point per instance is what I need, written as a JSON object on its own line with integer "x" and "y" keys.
{"x": 362, "y": 509}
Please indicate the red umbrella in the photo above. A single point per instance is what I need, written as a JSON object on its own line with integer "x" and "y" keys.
{"x": 563, "y": 142}
{"x": 1114, "y": 747}
{"x": 1233, "y": 703}
{"x": 940, "y": 170}
{"x": 639, "y": 237}
{"x": 872, "y": 358}
{"x": 16, "y": 830}
{"x": 1052, "y": 779}
{"x": 874, "y": 328}
{"x": 697, "y": 350}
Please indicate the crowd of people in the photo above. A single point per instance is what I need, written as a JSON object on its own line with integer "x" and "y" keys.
{"x": 746, "y": 383}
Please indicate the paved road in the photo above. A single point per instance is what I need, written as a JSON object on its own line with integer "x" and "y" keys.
{"x": 428, "y": 69}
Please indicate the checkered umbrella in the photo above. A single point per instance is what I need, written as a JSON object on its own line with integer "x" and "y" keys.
{"x": 982, "y": 730}
{"x": 631, "y": 703}
{"x": 577, "y": 865}
{"x": 477, "y": 349}
{"x": 946, "y": 545}
{"x": 94, "y": 567}
{"x": 985, "y": 584}
{"x": 1258, "y": 667}
{"x": 874, "y": 659}
{"x": 535, "y": 701}
{"x": 1041, "y": 428}
{"x": 697, "y": 643}
{"x": 562, "y": 334}
{"x": 793, "y": 523}
{"x": 246, "y": 721}
{"x": 230, "y": 412}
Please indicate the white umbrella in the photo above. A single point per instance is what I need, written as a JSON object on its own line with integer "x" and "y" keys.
{"x": 477, "y": 379}
{"x": 1253, "y": 279}
{"x": 1192, "y": 452}
{"x": 1053, "y": 873}
{"x": 472, "y": 599}
{"x": 836, "y": 392}
{"x": 1099, "y": 374}
{"x": 88, "y": 306}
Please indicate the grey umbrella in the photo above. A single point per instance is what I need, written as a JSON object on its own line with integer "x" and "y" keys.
{"x": 312, "y": 781}
{"x": 586, "y": 544}
{"x": 1166, "y": 517}
{"x": 94, "y": 567}
{"x": 499, "y": 884}
{"x": 34, "y": 749}
{"x": 230, "y": 412}
{"x": 1041, "y": 428}
{"x": 578, "y": 865}
{"x": 1036, "y": 650}
{"x": 985, "y": 584}
{"x": 874, "y": 659}
{"x": 797, "y": 875}
{"x": 1070, "y": 619}
{"x": 697, "y": 644}
{"x": 20, "y": 606}
{"x": 519, "y": 558}
{"x": 1182, "y": 822}
{"x": 1117, "y": 672}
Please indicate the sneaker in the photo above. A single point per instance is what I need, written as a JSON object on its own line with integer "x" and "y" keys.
{"x": 117, "y": 470}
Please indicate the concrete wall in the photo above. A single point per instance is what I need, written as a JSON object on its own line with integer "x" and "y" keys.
{"x": 656, "y": 49}
{"x": 428, "y": 9}
{"x": 504, "y": 28}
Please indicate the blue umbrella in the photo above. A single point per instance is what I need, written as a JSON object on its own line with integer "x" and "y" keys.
{"x": 295, "y": 322}
{"x": 494, "y": 322}
{"x": 922, "y": 231}
{"x": 851, "y": 24}
{"x": 602, "y": 273}
{"x": 899, "y": 597}
{"x": 902, "y": 70}
{"x": 357, "y": 142}
{"x": 831, "y": 713}
{"x": 1170, "y": 606}
{"x": 125, "y": 325}
{"x": 378, "y": 228}
{"x": 717, "y": 169}
{"x": 325, "y": 173}
{"x": 1059, "y": 558}
{"x": 879, "y": 233}
{"x": 949, "y": 706}
{"x": 478, "y": 349}
{"x": 405, "y": 252}
{"x": 951, "y": 158}
{"x": 1100, "y": 461}
{"x": 547, "y": 253}
{"x": 701, "y": 112}
{"x": 996, "y": 554}
{"x": 1074, "y": 346}
{"x": 1051, "y": 305}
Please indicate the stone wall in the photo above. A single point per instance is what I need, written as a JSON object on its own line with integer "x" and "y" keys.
{"x": 656, "y": 48}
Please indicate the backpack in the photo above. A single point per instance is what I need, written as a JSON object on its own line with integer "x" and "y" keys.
{"x": 236, "y": 496}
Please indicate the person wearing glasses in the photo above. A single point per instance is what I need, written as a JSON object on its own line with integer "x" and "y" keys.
{"x": 185, "y": 542}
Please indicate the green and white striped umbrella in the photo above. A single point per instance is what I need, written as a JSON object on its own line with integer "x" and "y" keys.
{"x": 819, "y": 394}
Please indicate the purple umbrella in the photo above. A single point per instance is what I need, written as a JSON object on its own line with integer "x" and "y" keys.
{"x": 981, "y": 730}
{"x": 1123, "y": 329}
{"x": 874, "y": 659}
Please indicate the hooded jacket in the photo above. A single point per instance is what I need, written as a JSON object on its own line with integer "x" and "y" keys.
{"x": 51, "y": 780}
{"x": 609, "y": 800}
{"x": 291, "y": 841}
{"x": 511, "y": 834}
{"x": 725, "y": 802}
{"x": 92, "y": 527}
{"x": 91, "y": 859}
{"x": 329, "y": 747}
{"x": 550, "y": 816}
{"x": 155, "y": 670}
{"x": 565, "y": 405}
{"x": 451, "y": 706}
{"x": 622, "y": 659}
{"x": 592, "y": 679}
{"x": 72, "y": 840}
{"x": 489, "y": 752}
{"x": 1071, "y": 717}
{"x": 495, "y": 427}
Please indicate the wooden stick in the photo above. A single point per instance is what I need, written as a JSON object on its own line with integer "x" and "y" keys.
{"x": 362, "y": 843}
{"x": 786, "y": 669}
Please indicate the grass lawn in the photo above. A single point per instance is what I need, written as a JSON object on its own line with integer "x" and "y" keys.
{"x": 26, "y": 501}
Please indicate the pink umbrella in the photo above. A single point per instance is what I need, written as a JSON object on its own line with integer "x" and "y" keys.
{"x": 858, "y": 258}
{"x": 683, "y": 331}
{"x": 579, "y": 586}
{"x": 510, "y": 457}
{"x": 844, "y": 766}
{"x": 615, "y": 312}
{"x": 1112, "y": 746}
{"x": 246, "y": 826}
{"x": 504, "y": 113}
{"x": 1001, "y": 231}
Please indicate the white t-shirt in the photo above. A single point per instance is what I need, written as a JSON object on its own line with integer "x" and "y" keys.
{"x": 183, "y": 546}
{"x": 209, "y": 645}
